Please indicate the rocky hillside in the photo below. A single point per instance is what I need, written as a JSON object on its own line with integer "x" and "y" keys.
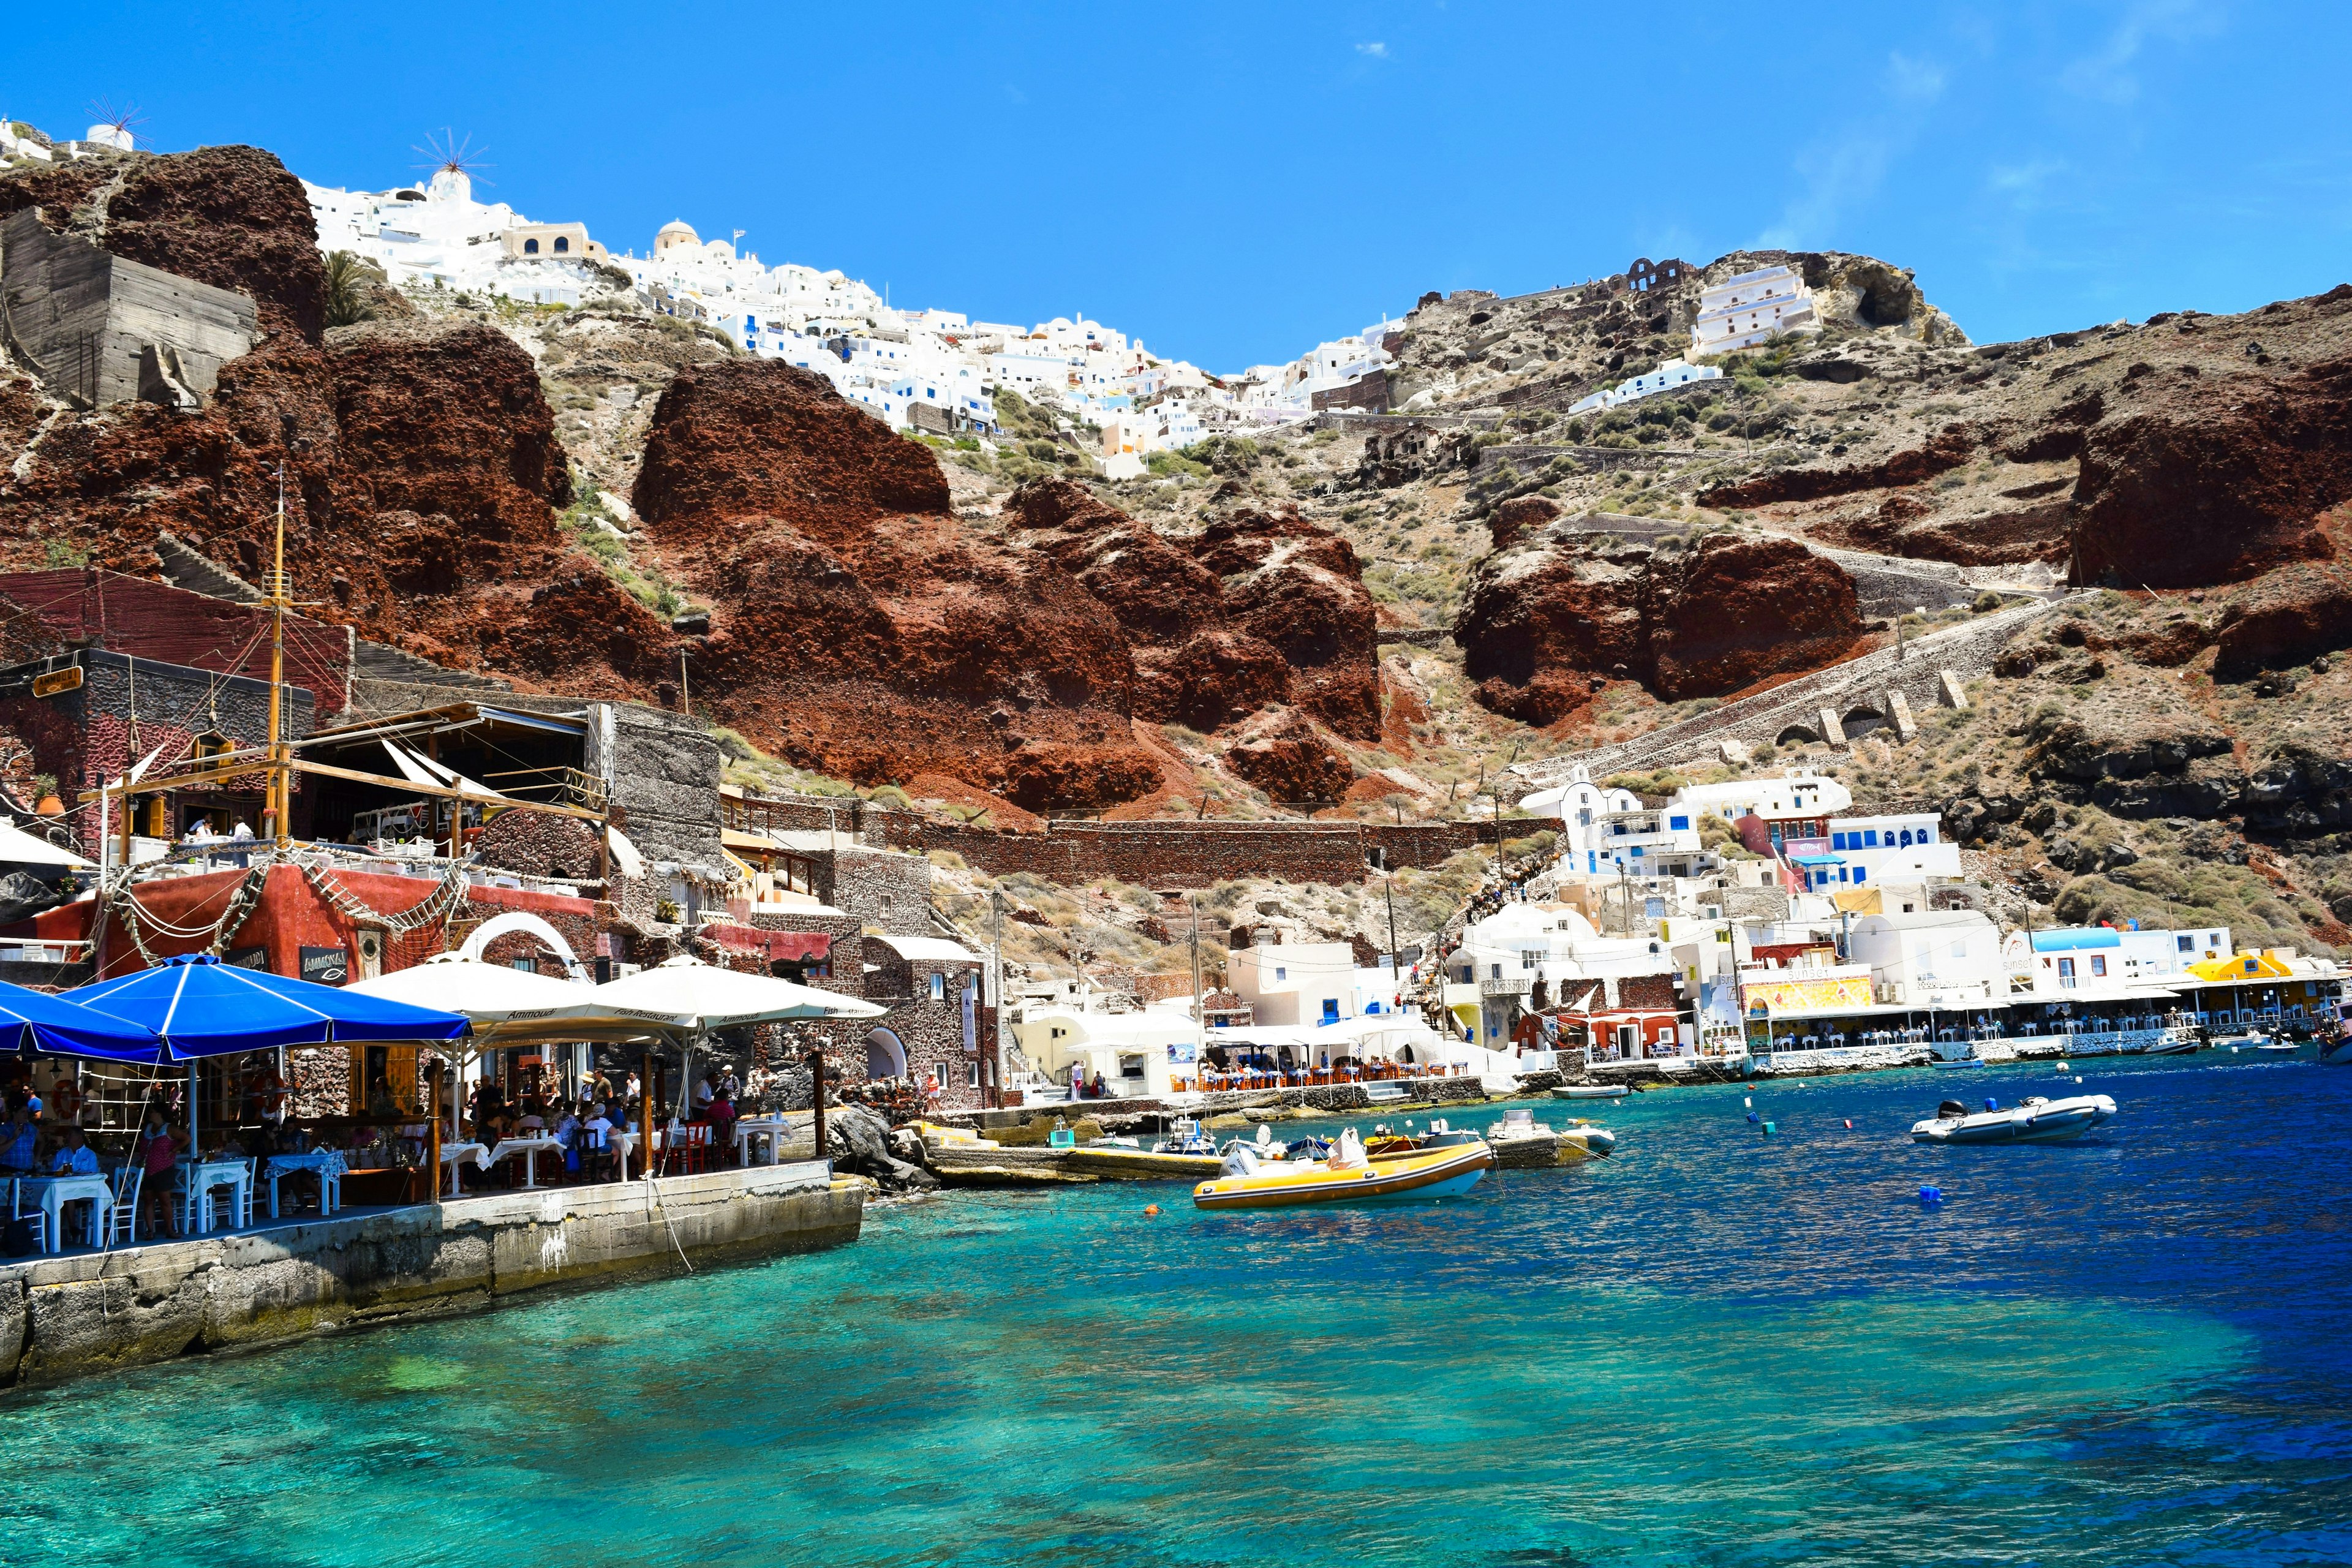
{"x": 1384, "y": 612}
{"x": 421, "y": 469}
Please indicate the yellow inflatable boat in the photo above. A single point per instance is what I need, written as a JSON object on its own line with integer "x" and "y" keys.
{"x": 1347, "y": 1177}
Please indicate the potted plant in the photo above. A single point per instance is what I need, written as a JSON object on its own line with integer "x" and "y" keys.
{"x": 45, "y": 790}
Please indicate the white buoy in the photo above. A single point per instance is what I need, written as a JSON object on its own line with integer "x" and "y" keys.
{"x": 1748, "y": 1102}
{"x": 2078, "y": 1077}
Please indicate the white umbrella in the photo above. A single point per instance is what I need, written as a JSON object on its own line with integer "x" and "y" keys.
{"x": 722, "y": 998}
{"x": 19, "y": 848}
{"x": 519, "y": 1007}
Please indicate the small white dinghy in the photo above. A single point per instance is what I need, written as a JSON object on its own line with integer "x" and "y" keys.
{"x": 2032, "y": 1121}
{"x": 1591, "y": 1092}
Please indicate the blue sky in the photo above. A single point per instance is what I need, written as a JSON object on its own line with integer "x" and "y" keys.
{"x": 1234, "y": 182}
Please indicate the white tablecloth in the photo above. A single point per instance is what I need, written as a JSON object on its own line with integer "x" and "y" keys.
{"x": 768, "y": 1129}
{"x": 529, "y": 1148}
{"x": 53, "y": 1192}
{"x": 452, "y": 1152}
{"x": 327, "y": 1165}
{"x": 198, "y": 1181}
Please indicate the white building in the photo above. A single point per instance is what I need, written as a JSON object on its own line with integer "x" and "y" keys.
{"x": 1800, "y": 795}
{"x": 1674, "y": 373}
{"x": 1937, "y": 958}
{"x": 1903, "y": 848}
{"x": 1135, "y": 1053}
{"x": 1491, "y": 978}
{"x": 1750, "y": 309}
{"x": 438, "y": 236}
{"x": 1289, "y": 983}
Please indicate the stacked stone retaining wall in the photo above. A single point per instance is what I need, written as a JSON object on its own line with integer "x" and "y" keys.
{"x": 62, "y": 1317}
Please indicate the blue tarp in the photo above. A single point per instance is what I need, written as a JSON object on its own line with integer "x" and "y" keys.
{"x": 37, "y": 1023}
{"x": 204, "y": 1008}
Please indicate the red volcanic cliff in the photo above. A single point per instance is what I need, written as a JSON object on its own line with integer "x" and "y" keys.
{"x": 230, "y": 216}
{"x": 860, "y": 629}
{"x": 1257, "y": 609}
{"x": 420, "y": 462}
{"x": 1543, "y": 628}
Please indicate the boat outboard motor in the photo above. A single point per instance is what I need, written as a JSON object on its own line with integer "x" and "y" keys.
{"x": 1239, "y": 1162}
{"x": 1952, "y": 1110}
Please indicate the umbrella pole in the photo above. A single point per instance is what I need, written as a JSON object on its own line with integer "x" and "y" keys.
{"x": 646, "y": 1118}
{"x": 816, "y": 1096}
{"x": 432, "y": 1154}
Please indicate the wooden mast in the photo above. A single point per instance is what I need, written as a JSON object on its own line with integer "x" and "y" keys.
{"x": 278, "y": 778}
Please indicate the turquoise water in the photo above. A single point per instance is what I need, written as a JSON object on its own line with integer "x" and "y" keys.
{"x": 1718, "y": 1348}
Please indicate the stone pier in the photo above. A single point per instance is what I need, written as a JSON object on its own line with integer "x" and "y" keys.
{"x": 68, "y": 1316}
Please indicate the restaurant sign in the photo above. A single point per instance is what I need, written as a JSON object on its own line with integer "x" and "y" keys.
{"x": 326, "y": 965}
{"x": 248, "y": 958}
{"x": 1807, "y": 994}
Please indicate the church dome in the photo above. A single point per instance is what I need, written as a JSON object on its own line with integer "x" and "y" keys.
{"x": 678, "y": 231}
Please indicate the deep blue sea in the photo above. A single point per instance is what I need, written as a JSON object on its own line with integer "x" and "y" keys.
{"x": 1720, "y": 1347}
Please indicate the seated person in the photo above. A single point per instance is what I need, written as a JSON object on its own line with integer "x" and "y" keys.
{"x": 74, "y": 1157}
{"x": 17, "y": 1141}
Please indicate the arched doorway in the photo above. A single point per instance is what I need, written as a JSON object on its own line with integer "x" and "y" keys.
{"x": 1795, "y": 735}
{"x": 885, "y": 1056}
{"x": 1861, "y": 721}
{"x": 521, "y": 921}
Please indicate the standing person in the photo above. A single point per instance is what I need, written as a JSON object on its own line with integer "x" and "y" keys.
{"x": 721, "y": 1112}
{"x": 17, "y": 1141}
{"x": 158, "y": 1149}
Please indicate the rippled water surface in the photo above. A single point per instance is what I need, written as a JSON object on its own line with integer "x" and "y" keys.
{"x": 1718, "y": 1348}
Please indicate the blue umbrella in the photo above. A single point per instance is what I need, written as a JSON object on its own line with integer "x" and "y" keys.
{"x": 36, "y": 1023}
{"x": 204, "y": 1008}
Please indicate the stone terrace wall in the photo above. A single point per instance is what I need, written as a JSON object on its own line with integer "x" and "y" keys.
{"x": 1195, "y": 854}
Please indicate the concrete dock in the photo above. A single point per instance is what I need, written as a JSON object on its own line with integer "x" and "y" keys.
{"x": 78, "y": 1314}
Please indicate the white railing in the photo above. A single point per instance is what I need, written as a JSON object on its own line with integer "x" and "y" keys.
{"x": 2086, "y": 1043}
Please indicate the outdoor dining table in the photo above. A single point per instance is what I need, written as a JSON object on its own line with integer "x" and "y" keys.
{"x": 197, "y": 1181}
{"x": 769, "y": 1128}
{"x": 326, "y": 1164}
{"x": 452, "y": 1152}
{"x": 53, "y": 1192}
{"x": 529, "y": 1148}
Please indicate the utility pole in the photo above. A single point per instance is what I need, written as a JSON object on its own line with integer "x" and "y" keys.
{"x": 685, "y": 697}
{"x": 996, "y": 989}
{"x": 1199, "y": 997}
{"x": 1396, "y": 963}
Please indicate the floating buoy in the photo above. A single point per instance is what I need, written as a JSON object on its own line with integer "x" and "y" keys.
{"x": 2078, "y": 1077}
{"x": 1991, "y": 1104}
{"x": 1930, "y": 1196}
{"x": 1152, "y": 1208}
{"x": 1768, "y": 1127}
{"x": 1750, "y": 1102}
{"x": 1753, "y": 1119}
{"x": 2062, "y": 1067}
{"x": 1849, "y": 1123}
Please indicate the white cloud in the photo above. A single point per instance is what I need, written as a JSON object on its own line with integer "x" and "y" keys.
{"x": 2022, "y": 183}
{"x": 1377, "y": 50}
{"x": 1920, "y": 81}
{"x": 1839, "y": 171}
{"x": 2108, "y": 73}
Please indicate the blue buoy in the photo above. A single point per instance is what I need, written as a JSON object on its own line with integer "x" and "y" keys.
{"x": 1753, "y": 1119}
{"x": 1930, "y": 1196}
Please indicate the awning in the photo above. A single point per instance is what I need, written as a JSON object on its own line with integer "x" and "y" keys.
{"x": 204, "y": 1008}
{"x": 508, "y": 1007}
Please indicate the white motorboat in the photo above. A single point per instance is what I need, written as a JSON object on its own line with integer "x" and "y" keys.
{"x": 1592, "y": 1091}
{"x": 2031, "y": 1121}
